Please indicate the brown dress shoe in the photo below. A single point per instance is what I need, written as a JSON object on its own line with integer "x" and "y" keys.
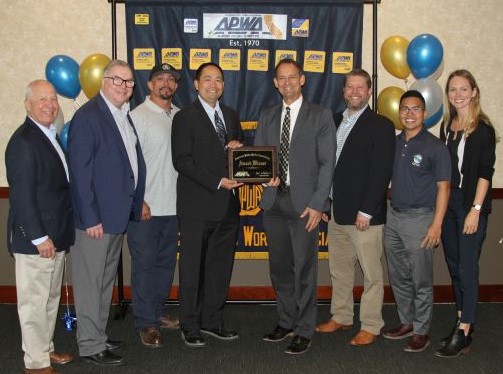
{"x": 363, "y": 338}
{"x": 60, "y": 358}
{"x": 151, "y": 337}
{"x": 169, "y": 322}
{"x": 47, "y": 370}
{"x": 417, "y": 343}
{"x": 332, "y": 326}
{"x": 400, "y": 332}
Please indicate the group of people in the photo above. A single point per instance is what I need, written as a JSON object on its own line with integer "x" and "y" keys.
{"x": 160, "y": 174}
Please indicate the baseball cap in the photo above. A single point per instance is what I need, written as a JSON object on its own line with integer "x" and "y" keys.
{"x": 164, "y": 68}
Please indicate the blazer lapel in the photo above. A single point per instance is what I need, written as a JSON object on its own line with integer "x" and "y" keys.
{"x": 49, "y": 144}
{"x": 300, "y": 121}
{"x": 110, "y": 123}
{"x": 353, "y": 134}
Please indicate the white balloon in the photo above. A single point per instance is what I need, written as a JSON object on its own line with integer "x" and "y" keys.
{"x": 432, "y": 93}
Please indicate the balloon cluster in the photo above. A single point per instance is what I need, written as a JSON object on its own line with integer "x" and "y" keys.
{"x": 68, "y": 78}
{"x": 423, "y": 56}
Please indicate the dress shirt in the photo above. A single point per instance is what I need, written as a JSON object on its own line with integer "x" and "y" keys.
{"x": 127, "y": 133}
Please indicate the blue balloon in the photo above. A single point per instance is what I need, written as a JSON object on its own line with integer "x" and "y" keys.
{"x": 63, "y": 136}
{"x": 63, "y": 72}
{"x": 424, "y": 55}
{"x": 433, "y": 120}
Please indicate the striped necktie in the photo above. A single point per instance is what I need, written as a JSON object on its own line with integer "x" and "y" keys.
{"x": 220, "y": 127}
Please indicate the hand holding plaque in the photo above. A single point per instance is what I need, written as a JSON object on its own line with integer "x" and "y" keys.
{"x": 252, "y": 164}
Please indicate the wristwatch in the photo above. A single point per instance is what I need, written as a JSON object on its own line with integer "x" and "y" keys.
{"x": 477, "y": 207}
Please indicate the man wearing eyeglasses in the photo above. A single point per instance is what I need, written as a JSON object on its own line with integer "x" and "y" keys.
{"x": 420, "y": 189}
{"x": 107, "y": 175}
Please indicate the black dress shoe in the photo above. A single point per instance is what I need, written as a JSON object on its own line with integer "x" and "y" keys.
{"x": 104, "y": 358}
{"x": 113, "y": 345}
{"x": 459, "y": 344}
{"x": 298, "y": 345}
{"x": 279, "y": 334}
{"x": 221, "y": 334}
{"x": 193, "y": 339}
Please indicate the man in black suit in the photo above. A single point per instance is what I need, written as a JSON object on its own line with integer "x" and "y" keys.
{"x": 40, "y": 225}
{"x": 207, "y": 206}
{"x": 365, "y": 151}
{"x": 304, "y": 135}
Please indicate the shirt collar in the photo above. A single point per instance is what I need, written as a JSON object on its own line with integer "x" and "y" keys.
{"x": 49, "y": 132}
{"x": 121, "y": 112}
{"x": 355, "y": 116}
{"x": 156, "y": 108}
{"x": 417, "y": 136}
{"x": 295, "y": 106}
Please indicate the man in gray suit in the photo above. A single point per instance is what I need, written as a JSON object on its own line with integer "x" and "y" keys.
{"x": 304, "y": 135}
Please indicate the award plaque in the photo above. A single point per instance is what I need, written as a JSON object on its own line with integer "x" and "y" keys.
{"x": 252, "y": 164}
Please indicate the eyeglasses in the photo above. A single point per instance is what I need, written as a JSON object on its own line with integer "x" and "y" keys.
{"x": 414, "y": 109}
{"x": 117, "y": 81}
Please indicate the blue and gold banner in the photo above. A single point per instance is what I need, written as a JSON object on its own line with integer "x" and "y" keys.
{"x": 247, "y": 39}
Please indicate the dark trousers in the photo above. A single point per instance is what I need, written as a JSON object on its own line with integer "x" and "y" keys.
{"x": 206, "y": 261}
{"x": 462, "y": 254}
{"x": 293, "y": 265}
{"x": 153, "y": 245}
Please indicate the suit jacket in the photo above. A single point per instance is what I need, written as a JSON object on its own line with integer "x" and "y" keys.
{"x": 39, "y": 194}
{"x": 311, "y": 156}
{"x": 101, "y": 177}
{"x": 201, "y": 162}
{"x": 478, "y": 162}
{"x": 364, "y": 169}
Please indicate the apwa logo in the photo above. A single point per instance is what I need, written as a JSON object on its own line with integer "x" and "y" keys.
{"x": 240, "y": 23}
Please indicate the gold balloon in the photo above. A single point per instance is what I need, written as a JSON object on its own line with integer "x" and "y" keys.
{"x": 91, "y": 72}
{"x": 388, "y": 102}
{"x": 394, "y": 56}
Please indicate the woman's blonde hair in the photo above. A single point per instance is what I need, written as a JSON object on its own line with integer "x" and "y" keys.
{"x": 475, "y": 113}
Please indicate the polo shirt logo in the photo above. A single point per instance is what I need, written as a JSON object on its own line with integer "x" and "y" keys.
{"x": 417, "y": 160}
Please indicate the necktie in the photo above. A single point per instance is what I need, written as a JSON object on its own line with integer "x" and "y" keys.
{"x": 284, "y": 148}
{"x": 221, "y": 133}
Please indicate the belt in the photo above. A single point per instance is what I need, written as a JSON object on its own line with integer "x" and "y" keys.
{"x": 413, "y": 210}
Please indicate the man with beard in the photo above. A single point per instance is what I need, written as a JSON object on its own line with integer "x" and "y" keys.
{"x": 365, "y": 151}
{"x": 153, "y": 241}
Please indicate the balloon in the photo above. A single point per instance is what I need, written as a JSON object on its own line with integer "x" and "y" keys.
{"x": 424, "y": 55}
{"x": 388, "y": 102}
{"x": 433, "y": 120}
{"x": 394, "y": 56}
{"x": 59, "y": 121}
{"x": 91, "y": 72}
{"x": 432, "y": 93}
{"x": 63, "y": 136}
{"x": 63, "y": 72}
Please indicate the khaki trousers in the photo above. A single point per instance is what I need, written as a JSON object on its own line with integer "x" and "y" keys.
{"x": 346, "y": 247}
{"x": 38, "y": 287}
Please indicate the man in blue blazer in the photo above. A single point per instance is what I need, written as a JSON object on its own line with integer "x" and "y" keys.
{"x": 107, "y": 173}
{"x": 40, "y": 225}
{"x": 207, "y": 207}
{"x": 294, "y": 203}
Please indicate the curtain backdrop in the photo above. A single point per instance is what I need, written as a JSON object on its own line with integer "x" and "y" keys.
{"x": 247, "y": 38}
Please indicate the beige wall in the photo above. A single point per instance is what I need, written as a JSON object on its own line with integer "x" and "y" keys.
{"x": 32, "y": 31}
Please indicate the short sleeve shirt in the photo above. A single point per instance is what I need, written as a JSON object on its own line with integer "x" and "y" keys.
{"x": 419, "y": 165}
